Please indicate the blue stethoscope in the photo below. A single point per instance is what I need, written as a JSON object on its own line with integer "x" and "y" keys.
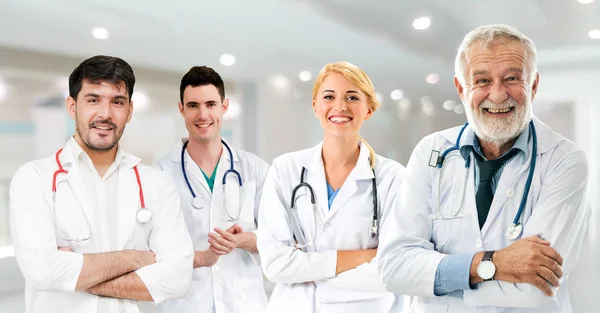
{"x": 198, "y": 202}
{"x": 515, "y": 230}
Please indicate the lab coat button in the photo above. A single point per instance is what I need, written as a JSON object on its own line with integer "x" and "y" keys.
{"x": 478, "y": 243}
{"x": 510, "y": 193}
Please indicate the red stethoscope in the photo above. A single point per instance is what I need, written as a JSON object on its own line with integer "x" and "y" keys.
{"x": 143, "y": 215}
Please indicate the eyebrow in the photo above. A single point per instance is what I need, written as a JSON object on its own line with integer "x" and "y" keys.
{"x": 510, "y": 70}
{"x": 196, "y": 103}
{"x": 349, "y": 91}
{"x": 95, "y": 95}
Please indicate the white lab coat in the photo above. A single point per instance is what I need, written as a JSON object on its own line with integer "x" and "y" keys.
{"x": 412, "y": 244}
{"x": 306, "y": 281}
{"x": 235, "y": 283}
{"x": 51, "y": 275}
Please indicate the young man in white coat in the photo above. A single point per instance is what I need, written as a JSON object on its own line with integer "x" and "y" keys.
{"x": 93, "y": 229}
{"x": 492, "y": 215}
{"x": 220, "y": 188}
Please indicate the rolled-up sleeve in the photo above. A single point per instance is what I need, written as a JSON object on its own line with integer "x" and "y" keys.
{"x": 171, "y": 276}
{"x": 34, "y": 236}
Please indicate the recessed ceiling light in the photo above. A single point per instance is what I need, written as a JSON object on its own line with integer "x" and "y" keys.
{"x": 379, "y": 97}
{"x": 421, "y": 23}
{"x": 100, "y": 33}
{"x": 305, "y": 76}
{"x": 585, "y": 1}
{"x": 594, "y": 34}
{"x": 432, "y": 78}
{"x": 280, "y": 81}
{"x": 3, "y": 90}
{"x": 459, "y": 109}
{"x": 227, "y": 59}
{"x": 449, "y": 105}
{"x": 233, "y": 111}
{"x": 140, "y": 101}
{"x": 397, "y": 94}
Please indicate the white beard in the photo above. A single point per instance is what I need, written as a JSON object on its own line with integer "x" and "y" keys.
{"x": 499, "y": 131}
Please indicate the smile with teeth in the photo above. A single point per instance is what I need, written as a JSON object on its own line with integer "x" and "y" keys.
{"x": 340, "y": 119}
{"x": 102, "y": 127}
{"x": 497, "y": 111}
{"x": 203, "y": 125}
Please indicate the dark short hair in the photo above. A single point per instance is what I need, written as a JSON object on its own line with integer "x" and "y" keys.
{"x": 101, "y": 68}
{"x": 202, "y": 76}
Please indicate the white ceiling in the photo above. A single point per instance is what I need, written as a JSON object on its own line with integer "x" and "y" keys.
{"x": 270, "y": 37}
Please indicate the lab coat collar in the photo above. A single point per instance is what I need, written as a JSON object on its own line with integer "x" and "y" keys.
{"x": 176, "y": 152}
{"x": 546, "y": 140}
{"x": 313, "y": 162}
{"x": 72, "y": 152}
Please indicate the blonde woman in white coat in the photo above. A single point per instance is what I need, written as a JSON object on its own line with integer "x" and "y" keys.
{"x": 318, "y": 243}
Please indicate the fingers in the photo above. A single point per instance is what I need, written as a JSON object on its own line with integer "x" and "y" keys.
{"x": 549, "y": 276}
{"x": 541, "y": 284}
{"x": 551, "y": 253}
{"x": 539, "y": 240}
{"x": 228, "y": 236}
{"x": 66, "y": 249}
{"x": 218, "y": 246}
{"x": 235, "y": 229}
{"x": 217, "y": 251}
{"x": 552, "y": 266}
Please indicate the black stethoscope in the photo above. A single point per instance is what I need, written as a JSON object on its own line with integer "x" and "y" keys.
{"x": 198, "y": 202}
{"x": 297, "y": 231}
{"x": 516, "y": 228}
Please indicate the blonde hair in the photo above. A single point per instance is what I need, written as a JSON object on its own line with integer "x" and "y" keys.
{"x": 357, "y": 77}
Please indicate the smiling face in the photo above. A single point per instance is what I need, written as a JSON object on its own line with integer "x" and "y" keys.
{"x": 498, "y": 94}
{"x": 341, "y": 106}
{"x": 101, "y": 112}
{"x": 203, "y": 112}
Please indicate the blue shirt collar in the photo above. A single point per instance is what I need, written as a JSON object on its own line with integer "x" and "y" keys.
{"x": 469, "y": 143}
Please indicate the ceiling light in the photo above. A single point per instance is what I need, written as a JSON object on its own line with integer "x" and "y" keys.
{"x": 397, "y": 94}
{"x": 405, "y": 104}
{"x": 233, "y": 111}
{"x": 585, "y": 1}
{"x": 280, "y": 81}
{"x": 432, "y": 78}
{"x": 459, "y": 109}
{"x": 100, "y": 33}
{"x": 140, "y": 101}
{"x": 379, "y": 97}
{"x": 227, "y": 59}
{"x": 3, "y": 90}
{"x": 449, "y": 105}
{"x": 421, "y": 23}
{"x": 305, "y": 76}
{"x": 594, "y": 34}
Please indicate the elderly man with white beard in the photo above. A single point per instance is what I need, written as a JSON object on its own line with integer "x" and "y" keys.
{"x": 492, "y": 214}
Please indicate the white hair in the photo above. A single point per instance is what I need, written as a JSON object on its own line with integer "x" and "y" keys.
{"x": 489, "y": 35}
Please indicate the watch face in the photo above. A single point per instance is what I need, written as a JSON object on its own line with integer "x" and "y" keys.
{"x": 486, "y": 270}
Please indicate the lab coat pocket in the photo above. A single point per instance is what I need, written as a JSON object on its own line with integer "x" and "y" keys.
{"x": 422, "y": 307}
{"x": 72, "y": 226}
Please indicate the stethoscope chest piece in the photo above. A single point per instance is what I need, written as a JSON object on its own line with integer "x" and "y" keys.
{"x": 143, "y": 216}
{"x": 514, "y": 231}
{"x": 198, "y": 202}
{"x": 373, "y": 229}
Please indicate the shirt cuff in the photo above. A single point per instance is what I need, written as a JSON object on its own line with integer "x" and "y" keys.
{"x": 453, "y": 273}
